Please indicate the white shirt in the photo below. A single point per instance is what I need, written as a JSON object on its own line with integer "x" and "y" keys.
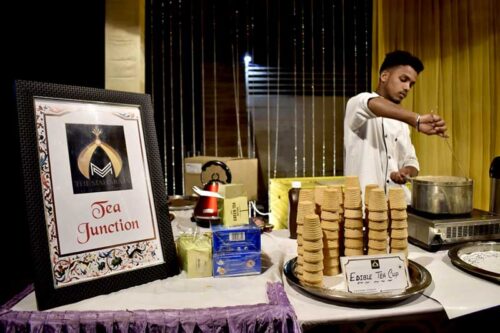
{"x": 375, "y": 146}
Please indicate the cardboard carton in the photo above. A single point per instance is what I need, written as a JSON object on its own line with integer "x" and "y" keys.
{"x": 195, "y": 254}
{"x": 234, "y": 206}
{"x": 236, "y": 239}
{"x": 278, "y": 195}
{"x": 236, "y": 263}
{"x": 243, "y": 171}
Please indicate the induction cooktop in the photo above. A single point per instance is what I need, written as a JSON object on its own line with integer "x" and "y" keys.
{"x": 435, "y": 232}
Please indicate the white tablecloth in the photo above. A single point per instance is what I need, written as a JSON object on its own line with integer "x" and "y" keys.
{"x": 458, "y": 292}
{"x": 179, "y": 292}
{"x": 453, "y": 290}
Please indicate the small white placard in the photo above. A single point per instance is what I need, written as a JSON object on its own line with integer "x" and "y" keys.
{"x": 193, "y": 168}
{"x": 375, "y": 273}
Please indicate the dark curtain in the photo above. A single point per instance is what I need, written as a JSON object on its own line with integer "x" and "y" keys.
{"x": 195, "y": 69}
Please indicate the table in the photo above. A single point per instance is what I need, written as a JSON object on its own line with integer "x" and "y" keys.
{"x": 176, "y": 304}
{"x": 264, "y": 302}
{"x": 452, "y": 294}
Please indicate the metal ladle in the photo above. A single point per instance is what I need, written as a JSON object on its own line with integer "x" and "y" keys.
{"x": 453, "y": 155}
{"x": 455, "y": 158}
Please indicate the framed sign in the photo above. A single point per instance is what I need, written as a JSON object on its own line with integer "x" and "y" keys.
{"x": 95, "y": 195}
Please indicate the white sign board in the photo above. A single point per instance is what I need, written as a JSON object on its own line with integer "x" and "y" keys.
{"x": 375, "y": 273}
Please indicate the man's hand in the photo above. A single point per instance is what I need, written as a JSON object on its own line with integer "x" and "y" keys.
{"x": 403, "y": 175}
{"x": 432, "y": 124}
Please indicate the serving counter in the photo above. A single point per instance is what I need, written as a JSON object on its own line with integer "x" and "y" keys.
{"x": 265, "y": 302}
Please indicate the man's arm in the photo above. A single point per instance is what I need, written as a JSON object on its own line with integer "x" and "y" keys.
{"x": 427, "y": 123}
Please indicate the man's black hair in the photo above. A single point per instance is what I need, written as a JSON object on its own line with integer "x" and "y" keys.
{"x": 398, "y": 57}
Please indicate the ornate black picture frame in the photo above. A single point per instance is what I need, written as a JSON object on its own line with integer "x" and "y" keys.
{"x": 95, "y": 195}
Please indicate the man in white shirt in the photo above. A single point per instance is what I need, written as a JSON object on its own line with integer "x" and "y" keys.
{"x": 377, "y": 143}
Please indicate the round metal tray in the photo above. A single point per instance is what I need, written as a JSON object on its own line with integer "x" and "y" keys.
{"x": 181, "y": 202}
{"x": 456, "y": 253}
{"x": 420, "y": 279}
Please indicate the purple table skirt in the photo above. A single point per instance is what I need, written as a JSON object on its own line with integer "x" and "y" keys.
{"x": 276, "y": 316}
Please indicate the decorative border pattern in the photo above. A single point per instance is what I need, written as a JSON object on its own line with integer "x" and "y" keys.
{"x": 92, "y": 264}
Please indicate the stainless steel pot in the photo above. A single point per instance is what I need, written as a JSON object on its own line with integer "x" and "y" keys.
{"x": 442, "y": 194}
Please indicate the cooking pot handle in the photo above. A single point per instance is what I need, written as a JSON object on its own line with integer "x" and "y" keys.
{"x": 223, "y": 165}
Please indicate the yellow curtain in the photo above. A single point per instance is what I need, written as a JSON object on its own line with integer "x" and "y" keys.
{"x": 459, "y": 43}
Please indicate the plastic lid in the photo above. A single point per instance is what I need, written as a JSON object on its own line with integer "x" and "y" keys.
{"x": 495, "y": 168}
{"x": 296, "y": 184}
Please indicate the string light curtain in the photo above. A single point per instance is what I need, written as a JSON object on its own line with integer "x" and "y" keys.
{"x": 284, "y": 104}
{"x": 297, "y": 101}
{"x": 458, "y": 42}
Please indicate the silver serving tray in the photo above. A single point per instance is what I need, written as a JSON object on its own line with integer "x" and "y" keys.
{"x": 456, "y": 252}
{"x": 420, "y": 279}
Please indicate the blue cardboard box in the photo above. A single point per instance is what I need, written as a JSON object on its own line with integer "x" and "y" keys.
{"x": 236, "y": 263}
{"x": 245, "y": 238}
